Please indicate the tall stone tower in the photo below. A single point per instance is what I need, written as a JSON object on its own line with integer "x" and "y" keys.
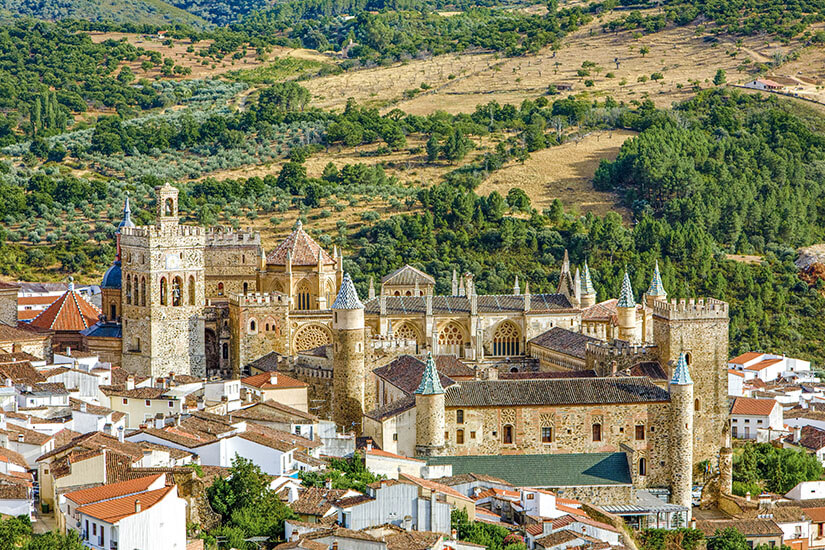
{"x": 656, "y": 290}
{"x": 348, "y": 364}
{"x": 681, "y": 434}
{"x": 626, "y": 311}
{"x": 430, "y": 421}
{"x": 699, "y": 328}
{"x": 163, "y": 293}
{"x": 588, "y": 292}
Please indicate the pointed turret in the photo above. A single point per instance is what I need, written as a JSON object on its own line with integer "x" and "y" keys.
{"x": 430, "y": 381}
{"x": 347, "y": 297}
{"x": 626, "y": 311}
{"x": 516, "y": 287}
{"x": 656, "y": 291}
{"x": 577, "y": 288}
{"x": 566, "y": 285}
{"x": 588, "y": 292}
{"x": 461, "y": 291}
{"x": 455, "y": 283}
{"x": 126, "y": 221}
{"x": 681, "y": 374}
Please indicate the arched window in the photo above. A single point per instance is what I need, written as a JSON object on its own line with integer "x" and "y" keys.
{"x": 330, "y": 293}
{"x": 408, "y": 293}
{"x": 253, "y": 326}
{"x": 688, "y": 358}
{"x": 459, "y": 437}
{"x": 506, "y": 339}
{"x": 169, "y": 208}
{"x": 696, "y": 406}
{"x": 397, "y": 293}
{"x": 451, "y": 340}
{"x": 225, "y": 350}
{"x": 507, "y": 435}
{"x": 128, "y": 290}
{"x": 113, "y": 311}
{"x": 597, "y": 432}
{"x": 459, "y": 416}
{"x": 405, "y": 331}
{"x": 163, "y": 291}
{"x": 302, "y": 295}
{"x": 143, "y": 291}
{"x": 191, "y": 290}
{"x": 220, "y": 289}
{"x": 177, "y": 291}
{"x": 642, "y": 467}
{"x": 245, "y": 288}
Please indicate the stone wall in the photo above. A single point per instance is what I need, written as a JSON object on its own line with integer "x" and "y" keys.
{"x": 572, "y": 428}
{"x": 231, "y": 260}
{"x": 681, "y": 444}
{"x": 259, "y": 325}
{"x": 8, "y": 306}
{"x": 598, "y": 495}
{"x": 429, "y": 424}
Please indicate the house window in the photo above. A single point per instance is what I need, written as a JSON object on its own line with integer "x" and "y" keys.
{"x": 472, "y": 435}
{"x": 220, "y": 289}
{"x": 546, "y": 434}
{"x": 125, "y": 401}
{"x": 225, "y": 350}
{"x": 597, "y": 432}
{"x": 171, "y": 404}
{"x": 148, "y": 403}
{"x": 507, "y": 435}
{"x": 459, "y": 437}
{"x": 86, "y": 532}
{"x": 733, "y": 432}
{"x": 530, "y": 496}
{"x": 459, "y": 416}
{"x": 642, "y": 467}
{"x": 94, "y": 528}
{"x": 395, "y": 437}
{"x": 640, "y": 432}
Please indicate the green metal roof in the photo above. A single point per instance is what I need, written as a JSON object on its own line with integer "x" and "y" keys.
{"x": 546, "y": 470}
{"x": 656, "y": 286}
{"x": 626, "y": 296}
{"x": 430, "y": 382}
{"x": 587, "y": 282}
{"x": 681, "y": 374}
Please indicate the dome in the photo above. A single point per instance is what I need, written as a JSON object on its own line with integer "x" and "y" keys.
{"x": 111, "y": 279}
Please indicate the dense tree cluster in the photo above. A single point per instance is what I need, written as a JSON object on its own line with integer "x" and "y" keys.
{"x": 342, "y": 473}
{"x": 17, "y": 532}
{"x": 773, "y": 469}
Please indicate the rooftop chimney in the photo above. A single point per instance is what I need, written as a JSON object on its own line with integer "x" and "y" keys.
{"x": 130, "y": 382}
{"x": 120, "y": 432}
{"x": 137, "y": 506}
{"x": 20, "y": 438}
{"x": 83, "y": 407}
{"x": 797, "y": 434}
{"x": 273, "y": 378}
{"x": 748, "y": 496}
{"x": 69, "y": 351}
{"x": 369, "y": 444}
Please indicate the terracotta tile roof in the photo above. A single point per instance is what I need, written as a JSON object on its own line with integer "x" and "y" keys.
{"x": 112, "y": 511}
{"x": 137, "y": 393}
{"x": 316, "y": 501}
{"x": 753, "y": 407}
{"x": 22, "y": 373}
{"x": 303, "y": 544}
{"x": 342, "y": 532}
{"x": 174, "y": 452}
{"x": 408, "y": 275}
{"x": 304, "y": 458}
{"x": 263, "y": 381}
{"x": 272, "y": 443}
{"x": 10, "y": 491}
{"x": 603, "y": 311}
{"x": 558, "y": 538}
{"x": 817, "y": 515}
{"x": 65, "y": 436}
{"x": 530, "y": 375}
{"x": 30, "y": 437}
{"x": 535, "y": 529}
{"x": 565, "y": 391}
{"x": 736, "y": 372}
{"x": 13, "y": 457}
{"x": 272, "y": 411}
{"x": 17, "y": 356}
{"x": 779, "y": 514}
{"x": 95, "y": 441}
{"x": 353, "y": 501}
{"x": 112, "y": 490}
{"x": 267, "y": 363}
{"x": 452, "y": 366}
{"x": 745, "y": 357}
{"x": 70, "y": 312}
{"x": 434, "y": 486}
{"x": 763, "y": 364}
{"x": 302, "y": 247}
{"x": 393, "y": 408}
{"x": 461, "y": 479}
{"x": 386, "y": 454}
{"x": 748, "y": 527}
{"x": 8, "y": 286}
{"x": 811, "y": 437}
{"x": 447, "y": 305}
{"x": 405, "y": 373}
{"x": 412, "y": 540}
{"x": 564, "y": 341}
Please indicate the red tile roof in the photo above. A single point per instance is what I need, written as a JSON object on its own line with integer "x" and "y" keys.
{"x": 70, "y": 312}
{"x": 385, "y": 454}
{"x": 112, "y": 511}
{"x": 262, "y": 381}
{"x": 753, "y": 407}
{"x": 113, "y": 490}
{"x": 764, "y": 364}
{"x": 303, "y": 248}
{"x": 434, "y": 486}
{"x": 745, "y": 357}
{"x": 736, "y": 372}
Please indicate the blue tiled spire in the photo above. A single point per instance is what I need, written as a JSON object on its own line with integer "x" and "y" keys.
{"x": 656, "y": 286}
{"x": 127, "y": 216}
{"x": 626, "y": 297}
{"x": 681, "y": 375}
{"x": 347, "y": 297}
{"x": 587, "y": 282}
{"x": 430, "y": 382}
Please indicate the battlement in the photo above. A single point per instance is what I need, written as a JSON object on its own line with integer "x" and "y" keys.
{"x": 702, "y": 308}
{"x": 620, "y": 348}
{"x": 226, "y": 236}
{"x": 153, "y": 231}
{"x": 259, "y": 299}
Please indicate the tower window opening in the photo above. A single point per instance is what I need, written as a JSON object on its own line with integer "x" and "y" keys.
{"x": 597, "y": 432}
{"x": 507, "y": 435}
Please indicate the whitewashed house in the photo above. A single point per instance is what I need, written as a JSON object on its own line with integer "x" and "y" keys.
{"x": 769, "y": 367}
{"x": 749, "y": 415}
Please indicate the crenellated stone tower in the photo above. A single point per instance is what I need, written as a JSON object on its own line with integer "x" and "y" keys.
{"x": 430, "y": 421}
{"x": 681, "y": 434}
{"x": 348, "y": 363}
{"x": 163, "y": 293}
{"x": 699, "y": 329}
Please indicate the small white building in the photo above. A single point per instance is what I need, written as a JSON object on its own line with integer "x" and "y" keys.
{"x": 768, "y": 367}
{"x": 807, "y": 490}
{"x": 749, "y": 415}
{"x": 765, "y": 85}
{"x": 736, "y": 383}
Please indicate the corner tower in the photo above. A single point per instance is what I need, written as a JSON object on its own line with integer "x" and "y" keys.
{"x": 656, "y": 290}
{"x": 162, "y": 293}
{"x": 626, "y": 311}
{"x": 430, "y": 422}
{"x": 699, "y": 328}
{"x": 348, "y": 364}
{"x": 588, "y": 292}
{"x": 681, "y": 434}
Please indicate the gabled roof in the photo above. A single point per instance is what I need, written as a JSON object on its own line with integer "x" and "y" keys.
{"x": 433, "y": 486}
{"x": 405, "y": 373}
{"x": 748, "y": 527}
{"x": 746, "y": 357}
{"x": 811, "y": 437}
{"x": 301, "y": 247}
{"x": 21, "y": 333}
{"x": 112, "y": 490}
{"x": 70, "y": 312}
{"x": 564, "y": 341}
{"x": 112, "y": 511}
{"x": 761, "y": 365}
{"x": 407, "y": 276}
{"x": 753, "y": 407}
{"x": 263, "y": 381}
{"x": 393, "y": 408}
{"x": 272, "y": 411}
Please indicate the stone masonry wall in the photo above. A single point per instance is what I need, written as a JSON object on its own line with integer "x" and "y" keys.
{"x": 429, "y": 424}
{"x": 349, "y": 376}
{"x": 8, "y": 307}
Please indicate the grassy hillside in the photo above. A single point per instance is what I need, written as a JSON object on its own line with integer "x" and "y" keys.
{"x": 122, "y": 11}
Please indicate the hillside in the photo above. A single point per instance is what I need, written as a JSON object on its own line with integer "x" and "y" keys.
{"x": 152, "y": 12}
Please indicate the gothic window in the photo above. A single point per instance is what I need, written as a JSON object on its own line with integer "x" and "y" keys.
{"x": 507, "y": 435}
{"x": 191, "y": 290}
{"x": 220, "y": 289}
{"x": 397, "y": 293}
{"x": 163, "y": 290}
{"x": 113, "y": 312}
{"x": 459, "y": 416}
{"x": 225, "y": 350}
{"x": 128, "y": 290}
{"x": 506, "y": 339}
{"x": 177, "y": 291}
{"x": 405, "y": 331}
{"x": 245, "y": 288}
{"x": 642, "y": 467}
{"x": 143, "y": 291}
{"x": 330, "y": 292}
{"x": 309, "y": 337}
{"x": 597, "y": 432}
{"x": 302, "y": 296}
{"x": 169, "y": 208}
{"x": 459, "y": 437}
{"x": 451, "y": 339}
{"x": 408, "y": 293}
{"x": 696, "y": 405}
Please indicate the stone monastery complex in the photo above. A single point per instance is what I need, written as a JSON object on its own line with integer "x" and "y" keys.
{"x": 427, "y": 375}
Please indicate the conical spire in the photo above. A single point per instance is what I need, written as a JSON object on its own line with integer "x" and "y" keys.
{"x": 347, "y": 297}
{"x": 681, "y": 374}
{"x": 587, "y": 282}
{"x": 656, "y": 286}
{"x": 127, "y": 216}
{"x": 455, "y": 283}
{"x": 626, "y": 297}
{"x": 430, "y": 382}
{"x": 565, "y": 263}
